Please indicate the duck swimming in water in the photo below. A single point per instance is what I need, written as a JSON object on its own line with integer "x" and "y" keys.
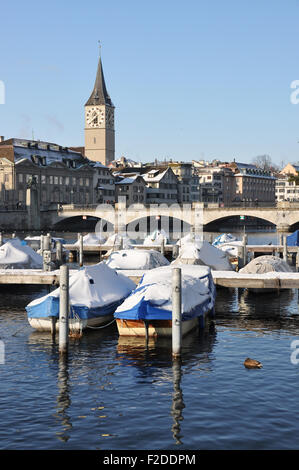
{"x": 252, "y": 364}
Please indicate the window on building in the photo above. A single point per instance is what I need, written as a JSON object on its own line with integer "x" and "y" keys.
{"x": 43, "y": 179}
{"x": 55, "y": 179}
{"x": 20, "y": 177}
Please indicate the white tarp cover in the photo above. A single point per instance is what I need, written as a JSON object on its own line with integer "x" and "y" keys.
{"x": 92, "y": 239}
{"x": 156, "y": 238}
{"x": 195, "y": 251}
{"x": 15, "y": 254}
{"x": 94, "y": 286}
{"x": 156, "y": 287}
{"x": 136, "y": 259}
{"x": 232, "y": 248}
{"x": 224, "y": 238}
{"x": 266, "y": 264}
{"x": 119, "y": 240}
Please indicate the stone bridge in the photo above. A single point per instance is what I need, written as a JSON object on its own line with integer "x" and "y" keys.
{"x": 196, "y": 215}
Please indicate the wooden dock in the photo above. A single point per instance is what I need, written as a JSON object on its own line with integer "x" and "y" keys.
{"x": 221, "y": 278}
{"x": 98, "y": 249}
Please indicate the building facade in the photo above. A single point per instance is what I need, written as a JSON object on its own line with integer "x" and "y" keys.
{"x": 132, "y": 187}
{"x": 62, "y": 175}
{"x": 252, "y": 183}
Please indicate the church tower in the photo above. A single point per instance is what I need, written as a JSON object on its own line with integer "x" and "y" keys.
{"x": 99, "y": 122}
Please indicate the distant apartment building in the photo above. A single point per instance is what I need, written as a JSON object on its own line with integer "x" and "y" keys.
{"x": 103, "y": 183}
{"x": 183, "y": 172}
{"x": 62, "y": 175}
{"x": 162, "y": 186}
{"x": 216, "y": 184}
{"x": 286, "y": 188}
{"x": 252, "y": 183}
{"x": 132, "y": 187}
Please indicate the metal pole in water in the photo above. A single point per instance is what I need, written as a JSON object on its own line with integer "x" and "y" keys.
{"x": 176, "y": 312}
{"x": 64, "y": 309}
{"x": 1, "y": 238}
{"x": 80, "y": 250}
{"x": 162, "y": 247}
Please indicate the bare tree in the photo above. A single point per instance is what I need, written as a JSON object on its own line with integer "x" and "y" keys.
{"x": 265, "y": 163}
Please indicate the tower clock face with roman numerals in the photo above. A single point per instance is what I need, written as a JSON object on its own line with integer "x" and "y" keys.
{"x": 95, "y": 117}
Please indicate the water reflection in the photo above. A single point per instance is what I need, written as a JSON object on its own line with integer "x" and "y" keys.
{"x": 156, "y": 354}
{"x": 177, "y": 401}
{"x": 63, "y": 399}
{"x": 264, "y": 313}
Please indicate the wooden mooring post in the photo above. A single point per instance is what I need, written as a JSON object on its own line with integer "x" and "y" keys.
{"x": 64, "y": 309}
{"x": 285, "y": 249}
{"x": 176, "y": 312}
{"x": 46, "y": 253}
{"x": 80, "y": 237}
{"x": 58, "y": 253}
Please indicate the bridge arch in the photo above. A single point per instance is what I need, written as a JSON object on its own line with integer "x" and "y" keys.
{"x": 214, "y": 215}
{"x": 237, "y": 222}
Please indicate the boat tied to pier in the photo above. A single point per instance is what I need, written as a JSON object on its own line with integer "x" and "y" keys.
{"x": 94, "y": 294}
{"x": 148, "y": 309}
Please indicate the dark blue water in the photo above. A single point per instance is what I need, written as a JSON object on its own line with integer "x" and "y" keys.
{"x": 115, "y": 393}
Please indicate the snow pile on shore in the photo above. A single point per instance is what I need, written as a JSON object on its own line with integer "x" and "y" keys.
{"x": 15, "y": 254}
{"x": 136, "y": 259}
{"x": 266, "y": 264}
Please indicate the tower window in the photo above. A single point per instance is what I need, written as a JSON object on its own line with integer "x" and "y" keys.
{"x": 94, "y": 140}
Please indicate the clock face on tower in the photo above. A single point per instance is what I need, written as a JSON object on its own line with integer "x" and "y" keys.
{"x": 95, "y": 117}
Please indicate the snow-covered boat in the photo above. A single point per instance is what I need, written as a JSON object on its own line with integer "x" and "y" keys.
{"x": 16, "y": 254}
{"x": 136, "y": 259}
{"x": 94, "y": 292}
{"x": 156, "y": 238}
{"x": 195, "y": 251}
{"x": 265, "y": 264}
{"x": 149, "y": 306}
{"x": 224, "y": 238}
{"x": 119, "y": 240}
{"x": 92, "y": 239}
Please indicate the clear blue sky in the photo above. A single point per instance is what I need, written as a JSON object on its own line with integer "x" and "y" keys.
{"x": 189, "y": 80}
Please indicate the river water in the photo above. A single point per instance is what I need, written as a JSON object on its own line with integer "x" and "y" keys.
{"x": 115, "y": 393}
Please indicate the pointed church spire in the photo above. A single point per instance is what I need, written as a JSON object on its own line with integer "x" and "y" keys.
{"x": 99, "y": 93}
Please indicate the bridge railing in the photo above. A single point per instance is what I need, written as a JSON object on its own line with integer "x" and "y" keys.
{"x": 206, "y": 205}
